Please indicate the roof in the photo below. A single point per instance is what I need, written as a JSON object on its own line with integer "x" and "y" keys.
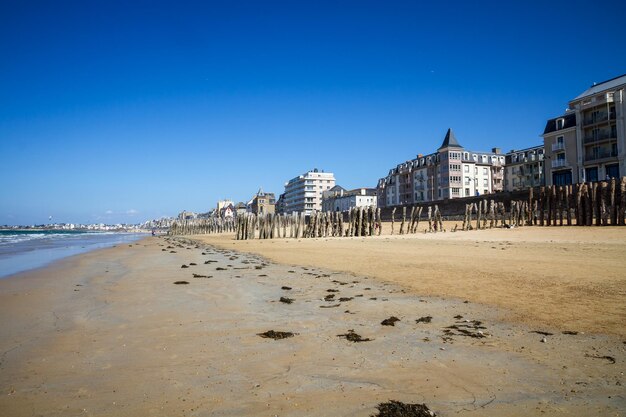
{"x": 450, "y": 141}
{"x": 603, "y": 86}
{"x": 570, "y": 121}
{"x": 337, "y": 188}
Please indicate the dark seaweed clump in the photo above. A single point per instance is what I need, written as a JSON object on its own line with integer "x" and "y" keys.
{"x": 286, "y": 300}
{"x": 425, "y": 319}
{"x": 181, "y": 282}
{"x": 354, "y": 337}
{"x": 391, "y": 321}
{"x": 400, "y": 409}
{"x": 272, "y": 334}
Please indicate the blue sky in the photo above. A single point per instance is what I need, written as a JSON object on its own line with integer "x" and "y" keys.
{"x": 125, "y": 111}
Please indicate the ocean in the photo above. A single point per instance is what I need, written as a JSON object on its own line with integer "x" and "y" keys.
{"x": 21, "y": 250}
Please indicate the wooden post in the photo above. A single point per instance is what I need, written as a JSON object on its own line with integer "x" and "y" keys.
{"x": 542, "y": 199}
{"x": 596, "y": 203}
{"x": 621, "y": 212}
{"x": 612, "y": 200}
{"x": 393, "y": 219}
{"x": 403, "y": 220}
{"x": 604, "y": 209}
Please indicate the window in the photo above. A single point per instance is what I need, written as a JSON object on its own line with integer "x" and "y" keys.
{"x": 467, "y": 192}
{"x": 612, "y": 171}
{"x": 485, "y": 171}
{"x": 560, "y": 123}
{"x": 476, "y": 170}
{"x": 466, "y": 168}
{"x": 485, "y": 182}
{"x": 456, "y": 191}
{"x": 559, "y": 140}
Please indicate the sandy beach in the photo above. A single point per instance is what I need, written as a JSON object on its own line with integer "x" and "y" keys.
{"x": 560, "y": 277}
{"x": 111, "y": 332}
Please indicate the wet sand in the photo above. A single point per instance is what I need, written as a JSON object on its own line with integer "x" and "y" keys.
{"x": 109, "y": 333}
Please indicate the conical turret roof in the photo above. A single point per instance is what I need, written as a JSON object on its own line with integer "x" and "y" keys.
{"x": 450, "y": 141}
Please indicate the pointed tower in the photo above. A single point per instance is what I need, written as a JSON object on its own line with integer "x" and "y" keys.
{"x": 450, "y": 141}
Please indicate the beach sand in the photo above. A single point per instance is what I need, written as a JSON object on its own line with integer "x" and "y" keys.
{"x": 559, "y": 277}
{"x": 110, "y": 333}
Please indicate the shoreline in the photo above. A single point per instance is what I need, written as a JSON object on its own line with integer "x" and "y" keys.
{"x": 86, "y": 334}
{"x": 32, "y": 254}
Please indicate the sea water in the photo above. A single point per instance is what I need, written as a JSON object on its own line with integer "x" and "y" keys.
{"x": 21, "y": 250}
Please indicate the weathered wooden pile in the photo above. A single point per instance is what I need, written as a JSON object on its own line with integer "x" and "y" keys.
{"x": 202, "y": 226}
{"x": 599, "y": 203}
{"x": 359, "y": 221}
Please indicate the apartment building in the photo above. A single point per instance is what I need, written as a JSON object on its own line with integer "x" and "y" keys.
{"x": 524, "y": 168}
{"x": 451, "y": 172}
{"x": 303, "y": 193}
{"x": 588, "y": 142}
{"x": 262, "y": 203}
{"x": 340, "y": 199}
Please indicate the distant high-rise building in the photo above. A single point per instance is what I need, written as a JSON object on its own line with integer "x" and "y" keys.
{"x": 588, "y": 142}
{"x": 303, "y": 193}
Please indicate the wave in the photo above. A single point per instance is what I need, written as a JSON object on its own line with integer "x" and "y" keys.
{"x": 11, "y": 238}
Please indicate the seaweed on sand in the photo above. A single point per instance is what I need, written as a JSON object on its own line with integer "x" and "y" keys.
{"x": 286, "y": 300}
{"x": 425, "y": 319}
{"x": 354, "y": 337}
{"x": 400, "y": 409}
{"x": 272, "y": 334}
{"x": 391, "y": 321}
{"x": 181, "y": 282}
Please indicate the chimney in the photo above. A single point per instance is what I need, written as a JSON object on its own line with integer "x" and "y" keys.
{"x": 495, "y": 150}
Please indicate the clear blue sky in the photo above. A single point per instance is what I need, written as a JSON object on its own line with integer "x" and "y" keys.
{"x": 125, "y": 111}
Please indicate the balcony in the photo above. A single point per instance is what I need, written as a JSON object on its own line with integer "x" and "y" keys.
{"x": 599, "y": 137}
{"x": 592, "y": 119}
{"x": 600, "y": 154}
{"x": 559, "y": 163}
{"x": 559, "y": 146}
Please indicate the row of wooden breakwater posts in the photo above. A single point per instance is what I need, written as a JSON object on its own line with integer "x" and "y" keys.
{"x": 359, "y": 221}
{"x": 586, "y": 204}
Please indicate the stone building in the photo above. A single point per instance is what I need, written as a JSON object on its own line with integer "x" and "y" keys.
{"x": 262, "y": 203}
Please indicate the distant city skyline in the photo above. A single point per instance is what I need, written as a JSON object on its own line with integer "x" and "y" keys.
{"x": 122, "y": 112}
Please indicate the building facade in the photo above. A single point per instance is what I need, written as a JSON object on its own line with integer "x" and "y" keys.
{"x": 303, "y": 193}
{"x": 451, "y": 172}
{"x": 524, "y": 168}
{"x": 262, "y": 203}
{"x": 340, "y": 199}
{"x": 588, "y": 143}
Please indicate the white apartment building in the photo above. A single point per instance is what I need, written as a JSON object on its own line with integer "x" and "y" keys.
{"x": 340, "y": 199}
{"x": 303, "y": 193}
